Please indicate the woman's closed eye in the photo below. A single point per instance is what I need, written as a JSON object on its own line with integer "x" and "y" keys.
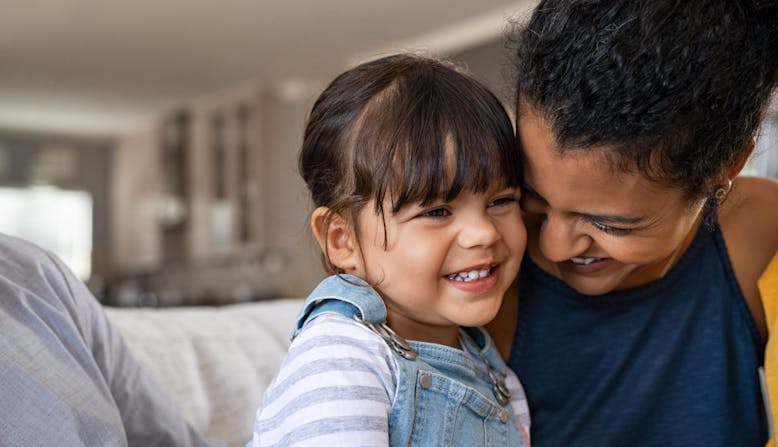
{"x": 614, "y": 231}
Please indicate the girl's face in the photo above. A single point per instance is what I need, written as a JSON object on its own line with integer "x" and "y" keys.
{"x": 595, "y": 229}
{"x": 444, "y": 265}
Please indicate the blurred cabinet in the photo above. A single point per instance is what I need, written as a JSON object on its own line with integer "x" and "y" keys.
{"x": 208, "y": 204}
{"x": 174, "y": 198}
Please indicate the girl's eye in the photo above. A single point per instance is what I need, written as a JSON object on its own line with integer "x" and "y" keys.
{"x": 502, "y": 201}
{"x": 436, "y": 213}
{"x": 611, "y": 230}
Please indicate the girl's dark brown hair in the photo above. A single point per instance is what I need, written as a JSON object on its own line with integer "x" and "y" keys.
{"x": 390, "y": 128}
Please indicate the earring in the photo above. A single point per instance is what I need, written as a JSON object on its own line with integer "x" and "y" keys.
{"x": 721, "y": 193}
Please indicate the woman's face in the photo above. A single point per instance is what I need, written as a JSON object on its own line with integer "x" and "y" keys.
{"x": 596, "y": 229}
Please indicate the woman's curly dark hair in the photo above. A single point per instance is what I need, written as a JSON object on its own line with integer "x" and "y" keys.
{"x": 674, "y": 89}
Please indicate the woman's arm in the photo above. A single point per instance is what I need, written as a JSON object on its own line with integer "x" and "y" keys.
{"x": 749, "y": 223}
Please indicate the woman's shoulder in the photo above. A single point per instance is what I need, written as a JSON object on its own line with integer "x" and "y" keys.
{"x": 756, "y": 192}
{"x": 749, "y": 218}
{"x": 749, "y": 224}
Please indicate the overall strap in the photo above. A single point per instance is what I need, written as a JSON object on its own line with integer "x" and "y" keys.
{"x": 346, "y": 295}
{"x": 353, "y": 298}
{"x": 477, "y": 342}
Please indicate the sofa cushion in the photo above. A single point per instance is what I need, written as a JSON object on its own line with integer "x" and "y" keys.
{"x": 215, "y": 361}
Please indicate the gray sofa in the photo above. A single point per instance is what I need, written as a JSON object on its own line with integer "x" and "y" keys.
{"x": 215, "y": 361}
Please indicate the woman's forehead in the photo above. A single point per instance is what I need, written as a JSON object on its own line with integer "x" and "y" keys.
{"x": 582, "y": 177}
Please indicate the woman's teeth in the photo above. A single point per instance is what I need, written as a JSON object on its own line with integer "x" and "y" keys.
{"x": 471, "y": 275}
{"x": 584, "y": 261}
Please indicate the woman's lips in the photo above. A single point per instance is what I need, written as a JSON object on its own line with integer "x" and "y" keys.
{"x": 586, "y": 266}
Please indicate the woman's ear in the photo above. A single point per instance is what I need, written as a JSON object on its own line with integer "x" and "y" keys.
{"x": 337, "y": 239}
{"x": 741, "y": 163}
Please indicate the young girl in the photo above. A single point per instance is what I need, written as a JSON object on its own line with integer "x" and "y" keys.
{"x": 414, "y": 171}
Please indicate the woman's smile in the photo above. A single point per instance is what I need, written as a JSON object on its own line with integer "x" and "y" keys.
{"x": 587, "y": 266}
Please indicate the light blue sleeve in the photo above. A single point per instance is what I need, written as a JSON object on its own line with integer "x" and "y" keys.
{"x": 67, "y": 376}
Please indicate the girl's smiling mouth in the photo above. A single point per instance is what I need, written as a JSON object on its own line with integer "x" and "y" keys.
{"x": 479, "y": 279}
{"x": 470, "y": 275}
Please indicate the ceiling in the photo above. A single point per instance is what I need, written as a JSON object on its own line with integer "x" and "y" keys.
{"x": 105, "y": 67}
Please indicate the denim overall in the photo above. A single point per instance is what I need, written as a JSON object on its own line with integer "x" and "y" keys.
{"x": 442, "y": 398}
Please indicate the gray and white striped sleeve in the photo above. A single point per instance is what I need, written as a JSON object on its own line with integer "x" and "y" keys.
{"x": 335, "y": 387}
{"x": 519, "y": 404}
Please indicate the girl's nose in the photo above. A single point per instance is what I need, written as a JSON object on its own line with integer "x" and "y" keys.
{"x": 560, "y": 239}
{"x": 478, "y": 231}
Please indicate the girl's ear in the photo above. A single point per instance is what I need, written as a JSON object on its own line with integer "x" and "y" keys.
{"x": 337, "y": 239}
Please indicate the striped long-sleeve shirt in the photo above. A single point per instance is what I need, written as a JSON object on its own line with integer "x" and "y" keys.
{"x": 336, "y": 387}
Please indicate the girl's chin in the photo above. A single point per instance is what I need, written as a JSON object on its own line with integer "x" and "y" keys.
{"x": 480, "y": 317}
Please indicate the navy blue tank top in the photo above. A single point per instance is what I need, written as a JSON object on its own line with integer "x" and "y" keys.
{"x": 670, "y": 363}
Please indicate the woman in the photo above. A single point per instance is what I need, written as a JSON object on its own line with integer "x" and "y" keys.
{"x": 640, "y": 321}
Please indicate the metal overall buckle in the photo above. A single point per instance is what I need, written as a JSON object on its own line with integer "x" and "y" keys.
{"x": 397, "y": 343}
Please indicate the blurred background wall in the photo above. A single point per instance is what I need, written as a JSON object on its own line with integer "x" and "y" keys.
{"x": 153, "y": 144}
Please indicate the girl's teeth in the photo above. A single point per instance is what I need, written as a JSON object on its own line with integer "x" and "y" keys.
{"x": 583, "y": 261}
{"x": 471, "y": 275}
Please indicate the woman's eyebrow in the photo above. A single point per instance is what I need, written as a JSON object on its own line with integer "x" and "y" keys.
{"x": 525, "y": 187}
{"x": 600, "y": 218}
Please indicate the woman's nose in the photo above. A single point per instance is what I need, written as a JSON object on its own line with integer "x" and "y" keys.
{"x": 560, "y": 238}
